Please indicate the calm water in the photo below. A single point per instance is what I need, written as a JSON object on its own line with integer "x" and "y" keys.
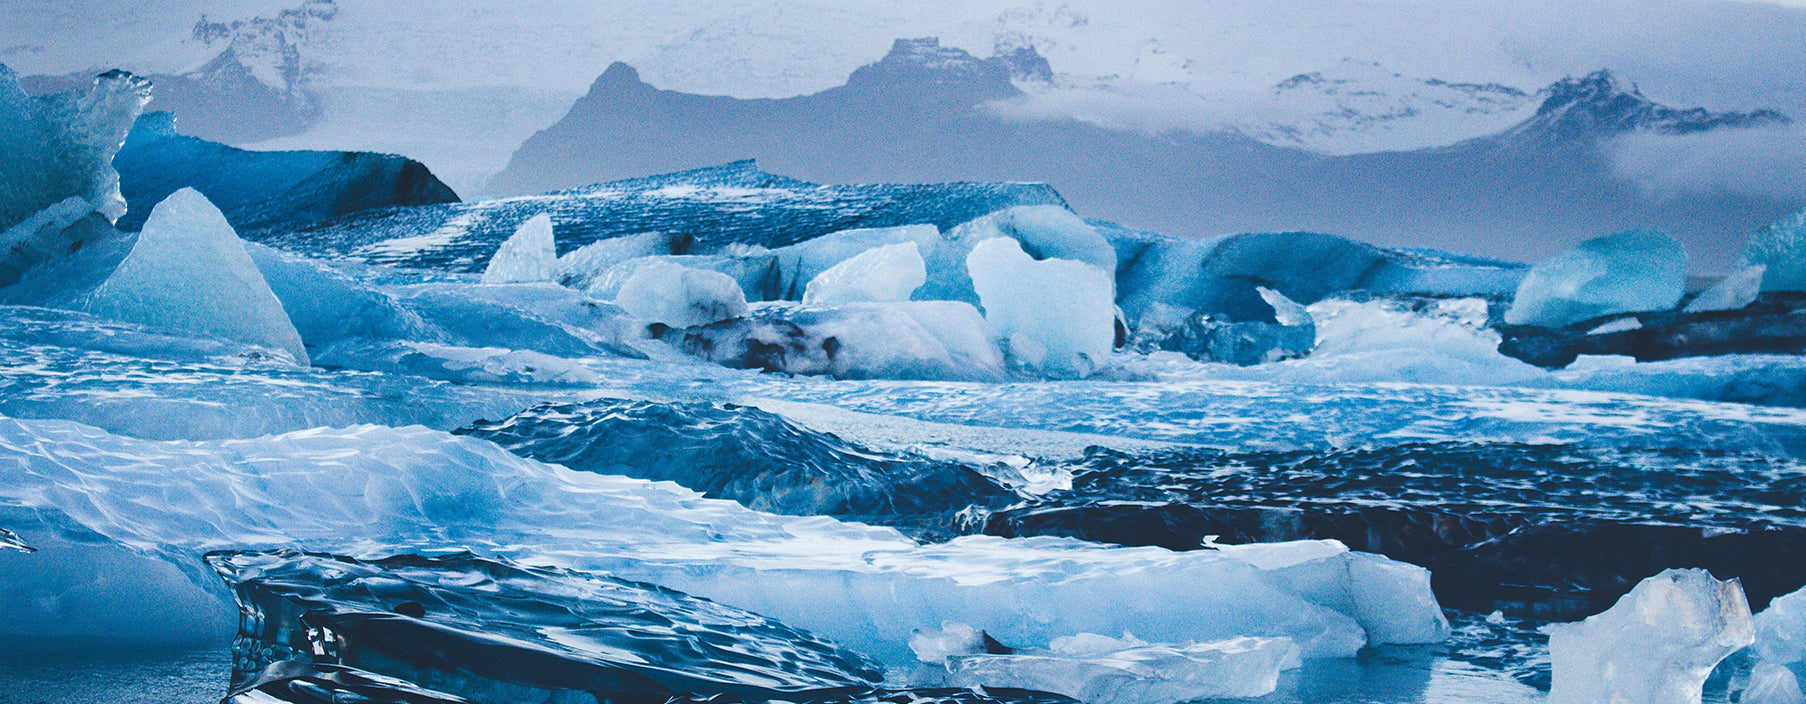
{"x": 108, "y": 672}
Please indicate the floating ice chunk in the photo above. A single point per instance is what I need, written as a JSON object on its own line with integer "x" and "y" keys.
{"x": 327, "y": 306}
{"x": 1781, "y": 247}
{"x": 934, "y": 646}
{"x": 1781, "y": 630}
{"x": 1285, "y": 310}
{"x": 530, "y": 255}
{"x": 1619, "y": 325}
{"x": 370, "y": 490}
{"x": 189, "y": 273}
{"x": 1101, "y": 670}
{"x": 1772, "y": 684}
{"x": 800, "y": 263}
{"x": 1062, "y": 310}
{"x": 888, "y": 273}
{"x": 58, "y": 146}
{"x": 1638, "y": 270}
{"x": 581, "y": 267}
{"x": 1733, "y": 292}
{"x": 680, "y": 296}
{"x": 945, "y": 340}
{"x": 58, "y": 254}
{"x": 1042, "y": 231}
{"x": 1657, "y": 645}
{"x": 754, "y": 272}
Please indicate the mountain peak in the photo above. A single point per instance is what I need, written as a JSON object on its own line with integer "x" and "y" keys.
{"x": 1603, "y": 103}
{"x": 924, "y": 63}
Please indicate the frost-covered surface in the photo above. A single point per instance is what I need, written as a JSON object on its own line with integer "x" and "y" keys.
{"x": 1631, "y": 271}
{"x": 370, "y": 489}
{"x": 1657, "y": 645}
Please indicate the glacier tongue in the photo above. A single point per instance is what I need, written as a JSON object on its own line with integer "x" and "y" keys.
{"x": 189, "y": 273}
{"x": 373, "y": 490}
{"x": 528, "y": 256}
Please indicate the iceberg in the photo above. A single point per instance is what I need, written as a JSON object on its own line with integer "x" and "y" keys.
{"x": 526, "y": 257}
{"x": 189, "y": 273}
{"x": 681, "y": 297}
{"x": 1657, "y": 645}
{"x": 328, "y": 306}
{"x": 581, "y": 268}
{"x": 1737, "y": 290}
{"x": 707, "y": 210}
{"x": 366, "y": 491}
{"x": 930, "y": 340}
{"x": 265, "y": 190}
{"x": 1772, "y": 684}
{"x": 1780, "y": 248}
{"x": 44, "y": 241}
{"x": 1637, "y": 270}
{"x": 1102, "y": 670}
{"x": 487, "y": 629}
{"x": 61, "y": 146}
{"x": 887, "y": 273}
{"x": 1056, "y": 315}
{"x": 800, "y": 263}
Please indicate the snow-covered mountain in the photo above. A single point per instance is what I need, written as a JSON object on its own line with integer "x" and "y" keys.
{"x": 930, "y": 113}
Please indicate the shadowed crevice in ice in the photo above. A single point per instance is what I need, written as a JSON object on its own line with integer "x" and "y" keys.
{"x": 1557, "y": 531}
{"x": 702, "y": 210}
{"x": 487, "y": 629}
{"x": 745, "y": 454}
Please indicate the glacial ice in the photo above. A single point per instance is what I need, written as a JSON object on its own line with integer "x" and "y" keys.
{"x": 1055, "y": 315}
{"x": 370, "y": 490}
{"x": 1736, "y": 290}
{"x": 679, "y": 296}
{"x": 1781, "y": 630}
{"x": 1632, "y": 271}
{"x": 259, "y": 190}
{"x": 490, "y": 629}
{"x": 706, "y": 209}
{"x": 58, "y": 146}
{"x": 1781, "y": 248}
{"x": 1103, "y": 670}
{"x": 45, "y": 243}
{"x": 1656, "y": 646}
{"x": 887, "y": 273}
{"x": 762, "y": 460}
{"x": 527, "y": 256}
{"x": 581, "y": 267}
{"x": 929, "y": 340}
{"x": 800, "y": 263}
{"x": 189, "y": 273}
{"x": 327, "y": 306}
{"x": 1772, "y": 684}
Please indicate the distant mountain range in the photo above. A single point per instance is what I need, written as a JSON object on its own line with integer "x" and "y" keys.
{"x": 925, "y": 113}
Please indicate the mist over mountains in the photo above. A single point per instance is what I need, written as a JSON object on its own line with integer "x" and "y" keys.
{"x": 920, "y": 115}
